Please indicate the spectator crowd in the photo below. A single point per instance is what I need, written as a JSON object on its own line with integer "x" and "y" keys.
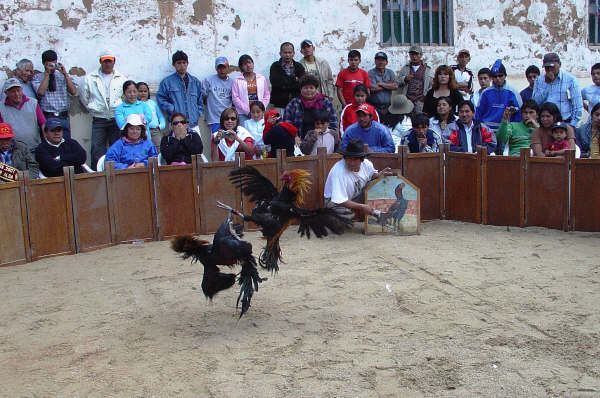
{"x": 293, "y": 108}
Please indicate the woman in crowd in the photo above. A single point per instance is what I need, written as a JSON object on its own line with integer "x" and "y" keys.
{"x": 542, "y": 136}
{"x": 301, "y": 110}
{"x": 133, "y": 149}
{"x": 588, "y": 135}
{"x": 444, "y": 85}
{"x": 231, "y": 137}
{"x": 179, "y": 146}
{"x": 158, "y": 121}
{"x": 442, "y": 121}
{"x": 249, "y": 86}
{"x": 131, "y": 105}
{"x": 400, "y": 111}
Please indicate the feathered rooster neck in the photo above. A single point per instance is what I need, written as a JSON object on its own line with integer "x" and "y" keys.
{"x": 297, "y": 181}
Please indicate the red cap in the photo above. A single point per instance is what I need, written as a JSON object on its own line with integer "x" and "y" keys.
{"x": 464, "y": 51}
{"x": 366, "y": 108}
{"x": 6, "y": 131}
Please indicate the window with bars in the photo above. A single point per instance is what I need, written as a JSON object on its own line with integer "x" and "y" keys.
{"x": 593, "y": 16}
{"x": 426, "y": 22}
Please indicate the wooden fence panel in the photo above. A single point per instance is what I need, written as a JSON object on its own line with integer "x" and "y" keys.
{"x": 547, "y": 192}
{"x": 50, "y": 217}
{"x": 585, "y": 195}
{"x": 13, "y": 245}
{"x": 382, "y": 160}
{"x": 425, "y": 171}
{"x": 215, "y": 186}
{"x": 133, "y": 199}
{"x": 310, "y": 163}
{"x": 502, "y": 190}
{"x": 268, "y": 168}
{"x": 177, "y": 196}
{"x": 91, "y": 214}
{"x": 463, "y": 186}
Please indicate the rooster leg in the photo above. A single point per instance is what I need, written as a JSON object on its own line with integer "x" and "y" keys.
{"x": 248, "y": 281}
{"x": 271, "y": 254}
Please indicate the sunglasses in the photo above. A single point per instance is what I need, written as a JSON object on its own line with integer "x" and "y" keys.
{"x": 232, "y": 118}
{"x": 500, "y": 75}
{"x": 176, "y": 122}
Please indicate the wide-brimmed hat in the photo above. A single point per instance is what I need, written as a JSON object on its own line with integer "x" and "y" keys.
{"x": 6, "y": 131}
{"x": 354, "y": 149}
{"x": 401, "y": 105}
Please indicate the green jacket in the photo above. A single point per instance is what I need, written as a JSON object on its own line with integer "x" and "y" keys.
{"x": 517, "y": 134}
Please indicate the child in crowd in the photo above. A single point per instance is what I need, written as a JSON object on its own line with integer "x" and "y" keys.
{"x": 278, "y": 134}
{"x": 484, "y": 76}
{"x": 531, "y": 73}
{"x": 348, "y": 115}
{"x": 349, "y": 77}
{"x": 321, "y": 136}
{"x": 158, "y": 122}
{"x": 421, "y": 138}
{"x": 591, "y": 94}
{"x": 255, "y": 125}
{"x": 559, "y": 143}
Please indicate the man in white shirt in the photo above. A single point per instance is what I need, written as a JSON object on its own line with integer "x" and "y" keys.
{"x": 348, "y": 177}
{"x": 463, "y": 75}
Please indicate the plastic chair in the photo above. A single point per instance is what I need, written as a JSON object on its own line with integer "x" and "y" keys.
{"x": 161, "y": 161}
{"x": 100, "y": 165}
{"x": 87, "y": 168}
{"x": 203, "y": 158}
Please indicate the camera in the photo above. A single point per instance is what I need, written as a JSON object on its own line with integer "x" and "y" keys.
{"x": 513, "y": 109}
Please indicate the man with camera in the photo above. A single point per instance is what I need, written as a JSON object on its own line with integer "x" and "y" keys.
{"x": 53, "y": 88}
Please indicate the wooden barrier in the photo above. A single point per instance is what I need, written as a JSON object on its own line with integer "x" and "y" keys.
{"x": 50, "y": 216}
{"x": 585, "y": 195}
{"x": 547, "y": 191}
{"x": 270, "y": 168}
{"x": 463, "y": 186}
{"x": 426, "y": 171}
{"x": 14, "y": 245}
{"x": 92, "y": 210}
{"x": 177, "y": 194}
{"x": 77, "y": 213}
{"x": 132, "y": 194}
{"x": 503, "y": 189}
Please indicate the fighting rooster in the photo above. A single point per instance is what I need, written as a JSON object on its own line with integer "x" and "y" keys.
{"x": 276, "y": 210}
{"x": 227, "y": 249}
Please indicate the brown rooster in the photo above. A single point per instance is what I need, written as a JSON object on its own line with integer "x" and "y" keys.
{"x": 276, "y": 210}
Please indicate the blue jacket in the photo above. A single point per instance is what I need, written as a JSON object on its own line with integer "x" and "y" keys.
{"x": 378, "y": 137}
{"x": 493, "y": 102}
{"x": 125, "y": 154}
{"x": 125, "y": 109}
{"x": 583, "y": 136}
{"x": 173, "y": 97}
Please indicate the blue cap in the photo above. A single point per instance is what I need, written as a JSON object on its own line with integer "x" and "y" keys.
{"x": 381, "y": 54}
{"x": 498, "y": 68}
{"x": 221, "y": 61}
{"x": 306, "y": 43}
{"x": 560, "y": 125}
{"x": 53, "y": 123}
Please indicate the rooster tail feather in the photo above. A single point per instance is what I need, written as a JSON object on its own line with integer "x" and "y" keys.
{"x": 271, "y": 256}
{"x": 190, "y": 246}
{"x": 248, "y": 281}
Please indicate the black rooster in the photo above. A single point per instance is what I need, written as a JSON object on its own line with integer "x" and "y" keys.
{"x": 275, "y": 211}
{"x": 227, "y": 249}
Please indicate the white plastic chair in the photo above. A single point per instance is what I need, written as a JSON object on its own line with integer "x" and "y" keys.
{"x": 161, "y": 161}
{"x": 100, "y": 165}
{"x": 87, "y": 168}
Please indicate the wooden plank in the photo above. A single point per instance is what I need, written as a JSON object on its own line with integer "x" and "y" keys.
{"x": 547, "y": 192}
{"x": 269, "y": 168}
{"x": 177, "y": 200}
{"x": 49, "y": 215}
{"x": 463, "y": 187}
{"x": 13, "y": 249}
{"x": 311, "y": 164}
{"x": 501, "y": 190}
{"x": 215, "y": 185}
{"x": 382, "y": 160}
{"x": 91, "y": 214}
{"x": 585, "y": 195}
{"x": 425, "y": 171}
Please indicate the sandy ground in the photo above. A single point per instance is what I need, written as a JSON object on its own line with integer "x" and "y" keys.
{"x": 461, "y": 310}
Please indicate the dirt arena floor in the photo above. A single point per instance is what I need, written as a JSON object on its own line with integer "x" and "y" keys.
{"x": 462, "y": 310}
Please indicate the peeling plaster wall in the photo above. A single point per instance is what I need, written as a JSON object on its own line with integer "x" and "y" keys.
{"x": 144, "y": 34}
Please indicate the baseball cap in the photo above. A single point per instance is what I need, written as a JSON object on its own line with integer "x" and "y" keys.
{"x": 560, "y": 125}
{"x": 53, "y": 123}
{"x": 221, "y": 61}
{"x": 12, "y": 82}
{"x": 6, "y": 131}
{"x": 135, "y": 119}
{"x": 366, "y": 108}
{"x": 106, "y": 55}
{"x": 306, "y": 43}
{"x": 381, "y": 54}
{"x": 464, "y": 51}
{"x": 550, "y": 59}
{"x": 415, "y": 49}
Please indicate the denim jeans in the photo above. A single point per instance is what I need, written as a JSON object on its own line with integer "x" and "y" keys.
{"x": 103, "y": 131}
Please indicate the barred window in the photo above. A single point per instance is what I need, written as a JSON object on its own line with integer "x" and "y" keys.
{"x": 593, "y": 22}
{"x": 426, "y": 22}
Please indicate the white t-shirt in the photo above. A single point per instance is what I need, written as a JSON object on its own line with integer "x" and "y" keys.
{"x": 469, "y": 134}
{"x": 343, "y": 184}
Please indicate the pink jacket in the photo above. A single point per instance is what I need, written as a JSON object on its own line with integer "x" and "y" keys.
{"x": 239, "y": 93}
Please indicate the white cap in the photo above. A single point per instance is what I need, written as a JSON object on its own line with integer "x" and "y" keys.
{"x": 135, "y": 119}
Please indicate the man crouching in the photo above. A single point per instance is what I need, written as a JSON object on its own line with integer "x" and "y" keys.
{"x": 348, "y": 177}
